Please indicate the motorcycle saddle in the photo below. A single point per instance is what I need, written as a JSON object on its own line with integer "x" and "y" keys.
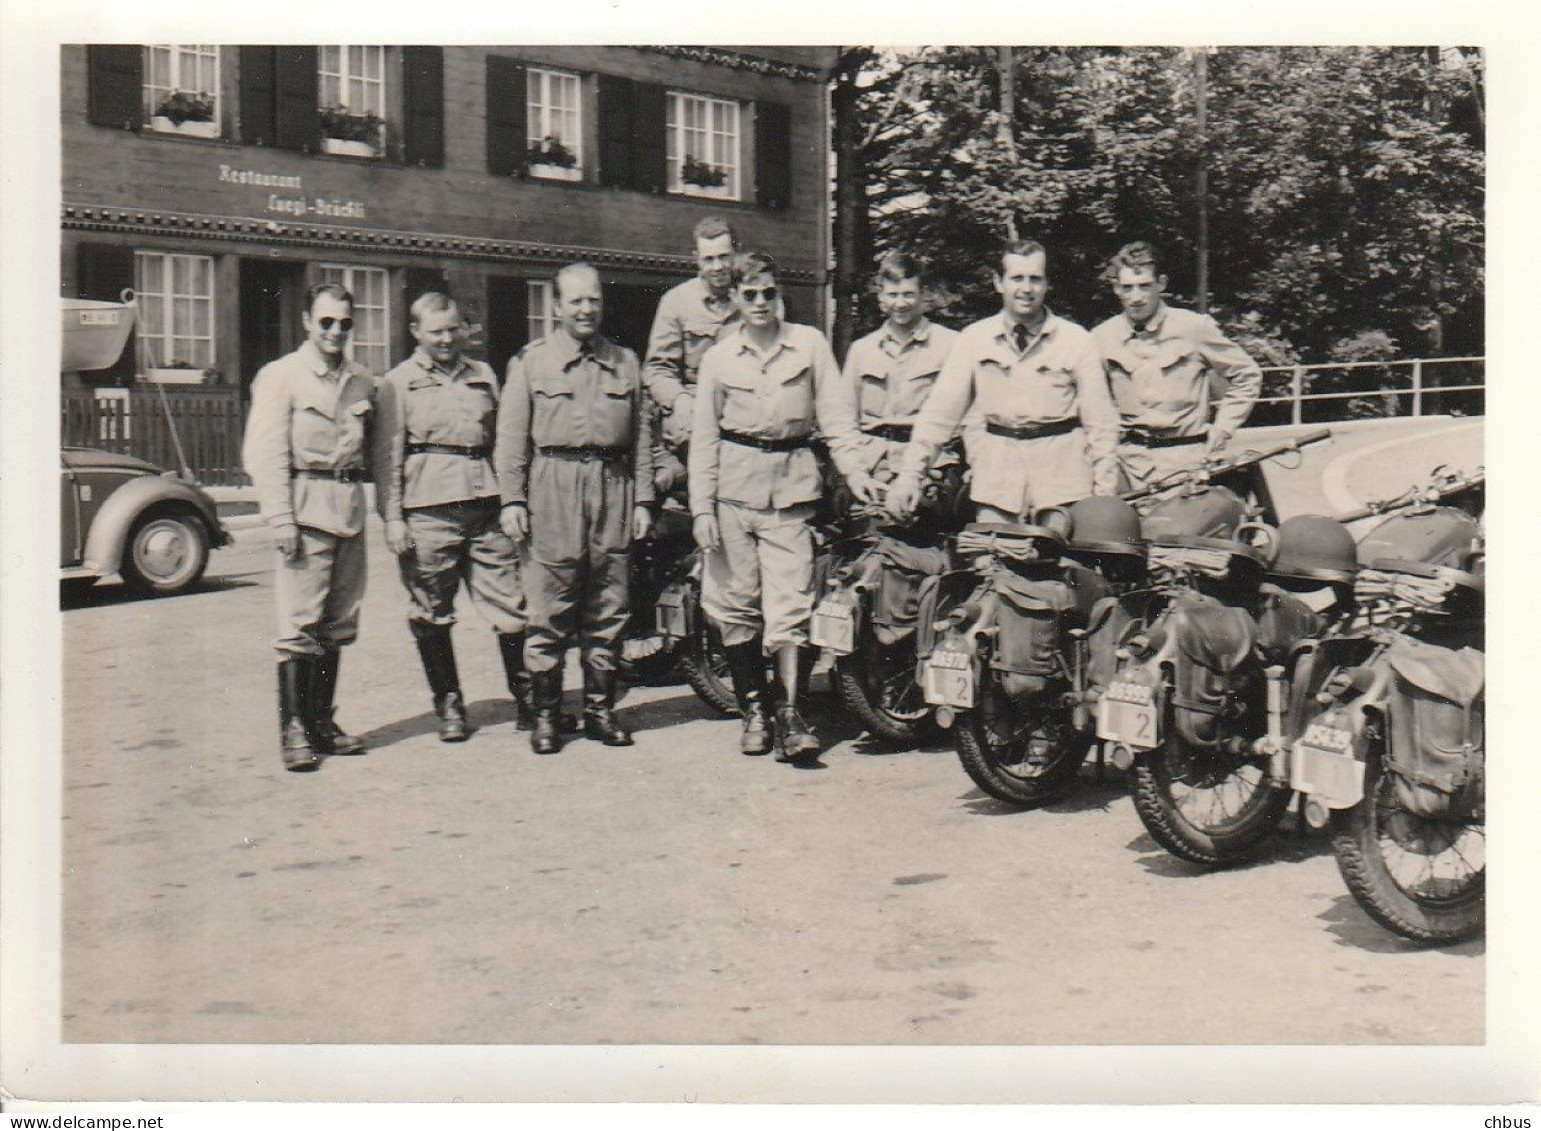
{"x": 1456, "y": 676}
{"x": 1214, "y": 636}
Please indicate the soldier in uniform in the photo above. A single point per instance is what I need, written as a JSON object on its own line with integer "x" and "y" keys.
{"x": 689, "y": 319}
{"x": 891, "y": 371}
{"x": 575, "y": 465}
{"x": 305, "y": 450}
{"x": 1039, "y": 426}
{"x": 436, "y": 420}
{"x": 1163, "y": 365}
{"x": 754, "y": 480}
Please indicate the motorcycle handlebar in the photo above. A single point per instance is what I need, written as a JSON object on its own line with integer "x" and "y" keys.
{"x": 1227, "y": 464}
{"x": 1417, "y": 496}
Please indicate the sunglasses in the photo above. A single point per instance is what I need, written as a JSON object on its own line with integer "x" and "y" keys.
{"x": 755, "y": 294}
{"x": 344, "y": 324}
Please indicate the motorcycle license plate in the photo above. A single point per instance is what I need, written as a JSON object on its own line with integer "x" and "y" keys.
{"x": 1322, "y": 764}
{"x": 669, "y": 615}
{"x": 833, "y": 627}
{"x": 949, "y": 679}
{"x": 1127, "y": 714}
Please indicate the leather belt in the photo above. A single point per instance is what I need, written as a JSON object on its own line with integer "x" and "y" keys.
{"x": 1145, "y": 437}
{"x": 790, "y": 444}
{"x": 340, "y": 474}
{"x": 470, "y": 451}
{"x": 897, "y": 432}
{"x": 583, "y": 454}
{"x": 1034, "y": 431}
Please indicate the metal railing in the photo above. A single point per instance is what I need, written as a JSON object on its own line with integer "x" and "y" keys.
{"x": 1351, "y": 390}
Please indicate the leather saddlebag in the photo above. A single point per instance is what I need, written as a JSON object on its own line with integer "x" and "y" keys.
{"x": 1214, "y": 643}
{"x": 1436, "y": 728}
{"x": 896, "y": 599}
{"x": 1034, "y": 615}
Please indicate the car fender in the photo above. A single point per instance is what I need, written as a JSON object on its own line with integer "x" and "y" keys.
{"x": 110, "y": 527}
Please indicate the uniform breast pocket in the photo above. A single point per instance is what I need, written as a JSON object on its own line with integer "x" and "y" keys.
{"x": 314, "y": 425}
{"x": 741, "y": 404}
{"x": 1169, "y": 380}
{"x": 697, "y": 336}
{"x": 352, "y": 430}
{"x": 916, "y": 389}
{"x": 1051, "y": 393}
{"x": 873, "y": 390}
{"x": 794, "y": 396}
{"x": 550, "y": 406}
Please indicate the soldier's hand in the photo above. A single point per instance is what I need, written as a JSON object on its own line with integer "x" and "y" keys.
{"x": 397, "y": 537}
{"x": 865, "y": 488}
{"x": 676, "y": 426}
{"x": 641, "y": 523}
{"x": 903, "y": 496}
{"x": 705, "y": 530}
{"x": 1214, "y": 443}
{"x": 287, "y": 540}
{"x": 516, "y": 521}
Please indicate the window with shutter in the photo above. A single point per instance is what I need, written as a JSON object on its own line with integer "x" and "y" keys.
{"x": 554, "y": 124}
{"x": 176, "y": 314}
{"x": 297, "y": 112}
{"x": 703, "y": 146}
{"x": 114, "y": 82}
{"x": 505, "y": 116}
{"x": 352, "y": 94}
{"x": 423, "y": 94}
{"x": 181, "y": 88}
{"x": 773, "y": 155}
{"x": 615, "y": 131}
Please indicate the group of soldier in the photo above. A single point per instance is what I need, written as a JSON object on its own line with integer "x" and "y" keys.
{"x": 532, "y": 492}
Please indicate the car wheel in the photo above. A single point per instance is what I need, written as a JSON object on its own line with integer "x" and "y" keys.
{"x": 167, "y": 552}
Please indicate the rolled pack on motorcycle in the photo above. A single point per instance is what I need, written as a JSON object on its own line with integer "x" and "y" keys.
{"x": 1197, "y": 701}
{"x": 1388, "y": 746}
{"x": 1002, "y": 642}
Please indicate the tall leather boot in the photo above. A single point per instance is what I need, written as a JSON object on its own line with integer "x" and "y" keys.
{"x": 599, "y": 706}
{"x": 797, "y": 741}
{"x": 546, "y": 689}
{"x": 294, "y": 680}
{"x": 326, "y": 737}
{"x": 520, "y": 685}
{"x": 438, "y": 655}
{"x": 746, "y": 664}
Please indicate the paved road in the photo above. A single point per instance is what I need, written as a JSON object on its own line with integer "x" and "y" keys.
{"x": 674, "y": 892}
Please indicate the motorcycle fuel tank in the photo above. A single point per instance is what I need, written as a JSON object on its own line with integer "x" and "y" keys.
{"x": 1438, "y": 536}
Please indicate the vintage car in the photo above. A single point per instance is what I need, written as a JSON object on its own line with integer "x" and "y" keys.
{"x": 120, "y": 514}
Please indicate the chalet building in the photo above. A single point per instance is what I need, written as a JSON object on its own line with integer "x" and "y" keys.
{"x": 218, "y": 182}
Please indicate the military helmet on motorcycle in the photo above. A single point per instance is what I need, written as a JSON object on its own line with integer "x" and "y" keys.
{"x": 1105, "y": 525}
{"x": 1315, "y": 549}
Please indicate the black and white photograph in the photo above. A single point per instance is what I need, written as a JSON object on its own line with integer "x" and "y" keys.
{"x": 630, "y": 550}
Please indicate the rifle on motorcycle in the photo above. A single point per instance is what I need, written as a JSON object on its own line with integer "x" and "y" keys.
{"x": 1386, "y": 741}
{"x": 1195, "y": 702}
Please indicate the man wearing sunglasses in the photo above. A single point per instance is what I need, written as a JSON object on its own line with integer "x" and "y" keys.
{"x": 575, "y": 466}
{"x": 754, "y": 480}
{"x": 305, "y": 450}
{"x": 435, "y": 487}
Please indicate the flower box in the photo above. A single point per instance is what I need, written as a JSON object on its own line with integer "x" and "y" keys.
{"x": 555, "y": 172}
{"x": 190, "y": 128}
{"x": 340, "y": 147}
{"x": 178, "y": 375}
{"x": 717, "y": 192}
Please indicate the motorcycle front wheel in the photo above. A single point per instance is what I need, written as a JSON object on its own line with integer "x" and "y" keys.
{"x": 1026, "y": 752}
{"x": 1424, "y": 878}
{"x": 705, "y": 664}
{"x": 1207, "y": 808}
{"x": 877, "y": 685}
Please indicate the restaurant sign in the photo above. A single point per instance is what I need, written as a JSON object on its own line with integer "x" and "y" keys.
{"x": 289, "y": 197}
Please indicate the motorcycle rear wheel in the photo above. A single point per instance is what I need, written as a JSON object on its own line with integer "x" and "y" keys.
{"x": 1212, "y": 810}
{"x": 877, "y": 685}
{"x": 1023, "y": 753}
{"x": 1423, "y": 878}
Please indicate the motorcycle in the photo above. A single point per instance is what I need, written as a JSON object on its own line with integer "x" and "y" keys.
{"x": 1195, "y": 703}
{"x": 1387, "y": 745}
{"x": 872, "y": 572}
{"x": 1002, "y": 643}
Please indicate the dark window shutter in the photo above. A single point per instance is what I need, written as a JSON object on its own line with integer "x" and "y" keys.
{"x": 615, "y": 130}
{"x": 259, "y": 96}
{"x": 649, "y": 129}
{"x": 773, "y": 154}
{"x": 419, "y": 280}
{"x": 105, "y": 271}
{"x": 423, "y": 92}
{"x": 115, "y": 86}
{"x": 297, "y": 98}
{"x": 629, "y": 311}
{"x": 506, "y": 320}
{"x": 506, "y": 116}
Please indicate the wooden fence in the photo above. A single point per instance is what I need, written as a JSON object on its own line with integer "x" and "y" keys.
{"x": 208, "y": 425}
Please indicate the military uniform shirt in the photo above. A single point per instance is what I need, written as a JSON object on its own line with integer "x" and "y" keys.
{"x": 785, "y": 393}
{"x": 569, "y": 394}
{"x": 688, "y": 321}
{"x": 891, "y": 377}
{"x": 1057, "y": 377}
{"x": 1159, "y": 373}
{"x": 304, "y": 415}
{"x": 420, "y": 403}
